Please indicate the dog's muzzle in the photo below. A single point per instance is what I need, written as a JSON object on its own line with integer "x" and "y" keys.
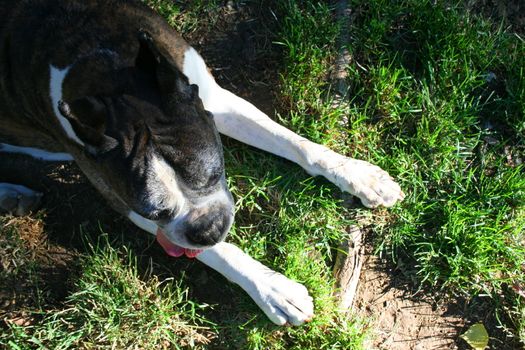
{"x": 200, "y": 228}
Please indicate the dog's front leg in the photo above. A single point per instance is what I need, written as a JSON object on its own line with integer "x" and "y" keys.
{"x": 239, "y": 119}
{"x": 281, "y": 299}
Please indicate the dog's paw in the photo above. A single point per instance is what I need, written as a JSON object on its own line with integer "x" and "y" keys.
{"x": 368, "y": 182}
{"x": 374, "y": 186}
{"x": 18, "y": 200}
{"x": 284, "y": 301}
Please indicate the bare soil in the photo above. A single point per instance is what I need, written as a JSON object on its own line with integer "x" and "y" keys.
{"x": 406, "y": 317}
{"x": 405, "y": 320}
{"x": 238, "y": 48}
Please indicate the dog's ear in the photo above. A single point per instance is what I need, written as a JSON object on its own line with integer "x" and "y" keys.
{"x": 153, "y": 58}
{"x": 87, "y": 117}
{"x": 147, "y": 60}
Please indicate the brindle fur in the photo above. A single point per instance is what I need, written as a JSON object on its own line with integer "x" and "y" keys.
{"x": 127, "y": 100}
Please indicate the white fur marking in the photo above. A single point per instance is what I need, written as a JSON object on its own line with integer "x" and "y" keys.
{"x": 281, "y": 299}
{"x": 241, "y": 120}
{"x": 143, "y": 223}
{"x": 56, "y": 79}
{"x": 4, "y": 187}
{"x": 163, "y": 172}
{"x": 36, "y": 153}
{"x": 17, "y": 199}
{"x": 195, "y": 69}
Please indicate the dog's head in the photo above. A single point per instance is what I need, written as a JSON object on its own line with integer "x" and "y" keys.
{"x": 144, "y": 133}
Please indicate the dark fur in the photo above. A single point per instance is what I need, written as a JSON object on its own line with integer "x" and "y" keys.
{"x": 125, "y": 97}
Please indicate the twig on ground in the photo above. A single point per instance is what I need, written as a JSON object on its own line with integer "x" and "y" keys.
{"x": 347, "y": 270}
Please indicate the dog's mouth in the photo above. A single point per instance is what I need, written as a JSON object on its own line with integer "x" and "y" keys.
{"x": 174, "y": 250}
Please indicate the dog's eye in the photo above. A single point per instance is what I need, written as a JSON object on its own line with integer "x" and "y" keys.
{"x": 214, "y": 178}
{"x": 165, "y": 214}
{"x": 159, "y": 215}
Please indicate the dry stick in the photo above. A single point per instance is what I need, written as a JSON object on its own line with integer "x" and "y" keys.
{"x": 347, "y": 268}
{"x": 343, "y": 58}
{"x": 351, "y": 254}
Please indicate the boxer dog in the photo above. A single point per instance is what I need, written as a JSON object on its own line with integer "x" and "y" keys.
{"x": 111, "y": 86}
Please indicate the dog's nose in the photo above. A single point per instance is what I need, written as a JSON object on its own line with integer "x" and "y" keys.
{"x": 209, "y": 226}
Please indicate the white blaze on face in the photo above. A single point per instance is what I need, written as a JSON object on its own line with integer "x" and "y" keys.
{"x": 165, "y": 191}
{"x": 56, "y": 80}
{"x": 143, "y": 223}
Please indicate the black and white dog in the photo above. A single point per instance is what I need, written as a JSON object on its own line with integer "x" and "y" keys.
{"x": 110, "y": 85}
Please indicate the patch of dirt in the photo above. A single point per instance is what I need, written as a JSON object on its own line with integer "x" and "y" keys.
{"x": 239, "y": 50}
{"x": 511, "y": 13}
{"x": 404, "y": 317}
{"x": 34, "y": 271}
{"x": 403, "y": 320}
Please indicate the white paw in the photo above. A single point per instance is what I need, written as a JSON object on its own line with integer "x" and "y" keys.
{"x": 18, "y": 200}
{"x": 284, "y": 301}
{"x": 369, "y": 182}
{"x": 372, "y": 184}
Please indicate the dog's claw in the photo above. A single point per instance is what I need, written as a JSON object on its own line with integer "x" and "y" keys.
{"x": 284, "y": 301}
{"x": 374, "y": 186}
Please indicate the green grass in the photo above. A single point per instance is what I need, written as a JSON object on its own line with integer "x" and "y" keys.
{"x": 186, "y": 16}
{"x": 437, "y": 98}
{"x": 113, "y": 307}
{"x": 424, "y": 107}
{"x": 291, "y": 223}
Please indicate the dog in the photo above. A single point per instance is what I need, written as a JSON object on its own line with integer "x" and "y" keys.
{"x": 110, "y": 85}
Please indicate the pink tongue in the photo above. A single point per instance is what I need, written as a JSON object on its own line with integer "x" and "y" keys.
{"x": 173, "y": 249}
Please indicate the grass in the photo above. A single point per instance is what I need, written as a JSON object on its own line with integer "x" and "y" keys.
{"x": 186, "y": 17}
{"x": 18, "y": 264}
{"x": 440, "y": 93}
{"x": 112, "y": 307}
{"x": 437, "y": 98}
{"x": 292, "y": 224}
